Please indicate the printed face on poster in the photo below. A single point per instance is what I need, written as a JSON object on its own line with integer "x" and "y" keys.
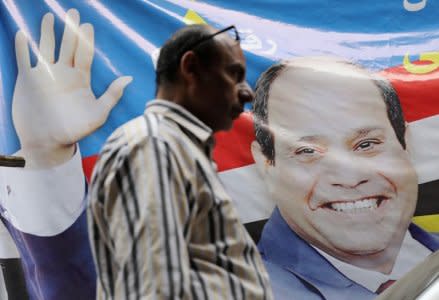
{"x": 340, "y": 176}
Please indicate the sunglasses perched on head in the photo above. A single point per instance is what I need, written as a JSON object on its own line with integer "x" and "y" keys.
{"x": 231, "y": 31}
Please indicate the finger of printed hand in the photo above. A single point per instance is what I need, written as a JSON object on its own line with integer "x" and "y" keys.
{"x": 85, "y": 49}
{"x": 69, "y": 39}
{"x": 47, "y": 40}
{"x": 22, "y": 52}
{"x": 113, "y": 94}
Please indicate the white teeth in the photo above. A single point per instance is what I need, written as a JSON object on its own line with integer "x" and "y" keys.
{"x": 356, "y": 206}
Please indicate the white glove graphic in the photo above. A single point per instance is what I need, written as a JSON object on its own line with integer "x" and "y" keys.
{"x": 53, "y": 105}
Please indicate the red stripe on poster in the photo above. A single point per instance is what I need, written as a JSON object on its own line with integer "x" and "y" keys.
{"x": 232, "y": 149}
{"x": 416, "y": 91}
{"x": 88, "y": 164}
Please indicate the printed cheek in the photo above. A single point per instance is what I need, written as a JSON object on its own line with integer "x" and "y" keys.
{"x": 299, "y": 182}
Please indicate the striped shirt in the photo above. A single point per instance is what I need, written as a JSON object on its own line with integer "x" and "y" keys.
{"x": 161, "y": 224}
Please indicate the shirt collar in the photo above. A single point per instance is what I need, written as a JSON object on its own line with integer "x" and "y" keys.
{"x": 411, "y": 254}
{"x": 182, "y": 117}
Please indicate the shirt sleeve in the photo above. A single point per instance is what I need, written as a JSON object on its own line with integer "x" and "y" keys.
{"x": 138, "y": 213}
{"x": 43, "y": 202}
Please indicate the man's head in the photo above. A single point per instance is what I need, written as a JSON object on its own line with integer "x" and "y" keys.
{"x": 204, "y": 71}
{"x": 331, "y": 144}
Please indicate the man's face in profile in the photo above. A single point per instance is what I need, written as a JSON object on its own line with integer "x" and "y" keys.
{"x": 341, "y": 178}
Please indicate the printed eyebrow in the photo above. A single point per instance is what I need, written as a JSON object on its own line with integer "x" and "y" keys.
{"x": 362, "y": 133}
{"x": 311, "y": 138}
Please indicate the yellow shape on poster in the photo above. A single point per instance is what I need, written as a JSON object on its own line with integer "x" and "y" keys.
{"x": 431, "y": 57}
{"x": 192, "y": 17}
{"x": 429, "y": 222}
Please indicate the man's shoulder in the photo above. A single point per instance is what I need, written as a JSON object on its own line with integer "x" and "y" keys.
{"x": 137, "y": 131}
{"x": 123, "y": 141}
{"x": 146, "y": 130}
{"x": 132, "y": 132}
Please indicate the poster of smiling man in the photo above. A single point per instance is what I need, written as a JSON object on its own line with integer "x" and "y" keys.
{"x": 333, "y": 168}
{"x": 333, "y": 149}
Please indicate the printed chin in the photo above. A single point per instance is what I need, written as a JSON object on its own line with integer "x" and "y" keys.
{"x": 360, "y": 240}
{"x": 366, "y": 226}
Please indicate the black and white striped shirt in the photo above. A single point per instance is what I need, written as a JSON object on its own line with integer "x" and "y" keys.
{"x": 161, "y": 224}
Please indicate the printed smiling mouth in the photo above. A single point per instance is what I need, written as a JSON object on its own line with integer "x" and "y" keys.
{"x": 355, "y": 206}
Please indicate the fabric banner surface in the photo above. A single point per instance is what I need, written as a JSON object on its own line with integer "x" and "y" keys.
{"x": 336, "y": 159}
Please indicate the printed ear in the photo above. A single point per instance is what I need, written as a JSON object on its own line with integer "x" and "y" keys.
{"x": 260, "y": 159}
{"x": 408, "y": 140}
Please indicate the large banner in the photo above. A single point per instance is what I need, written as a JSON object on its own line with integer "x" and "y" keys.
{"x": 334, "y": 169}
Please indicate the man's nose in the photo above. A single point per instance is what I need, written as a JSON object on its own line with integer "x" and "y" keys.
{"x": 245, "y": 93}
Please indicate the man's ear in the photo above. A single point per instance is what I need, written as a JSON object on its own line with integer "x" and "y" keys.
{"x": 189, "y": 66}
{"x": 262, "y": 163}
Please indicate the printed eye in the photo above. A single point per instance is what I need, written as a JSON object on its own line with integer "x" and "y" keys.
{"x": 306, "y": 151}
{"x": 367, "y": 145}
{"x": 307, "y": 154}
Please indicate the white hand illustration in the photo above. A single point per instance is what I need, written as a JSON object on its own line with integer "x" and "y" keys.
{"x": 53, "y": 104}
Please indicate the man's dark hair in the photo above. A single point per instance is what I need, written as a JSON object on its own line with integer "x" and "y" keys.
{"x": 180, "y": 42}
{"x": 265, "y": 137}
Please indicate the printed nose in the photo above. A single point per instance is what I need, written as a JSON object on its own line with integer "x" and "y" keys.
{"x": 344, "y": 171}
{"x": 245, "y": 93}
{"x": 350, "y": 184}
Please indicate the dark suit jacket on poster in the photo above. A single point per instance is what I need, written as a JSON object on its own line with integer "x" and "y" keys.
{"x": 57, "y": 267}
{"x": 298, "y": 271}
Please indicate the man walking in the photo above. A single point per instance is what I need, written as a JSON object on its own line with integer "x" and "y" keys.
{"x": 161, "y": 224}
